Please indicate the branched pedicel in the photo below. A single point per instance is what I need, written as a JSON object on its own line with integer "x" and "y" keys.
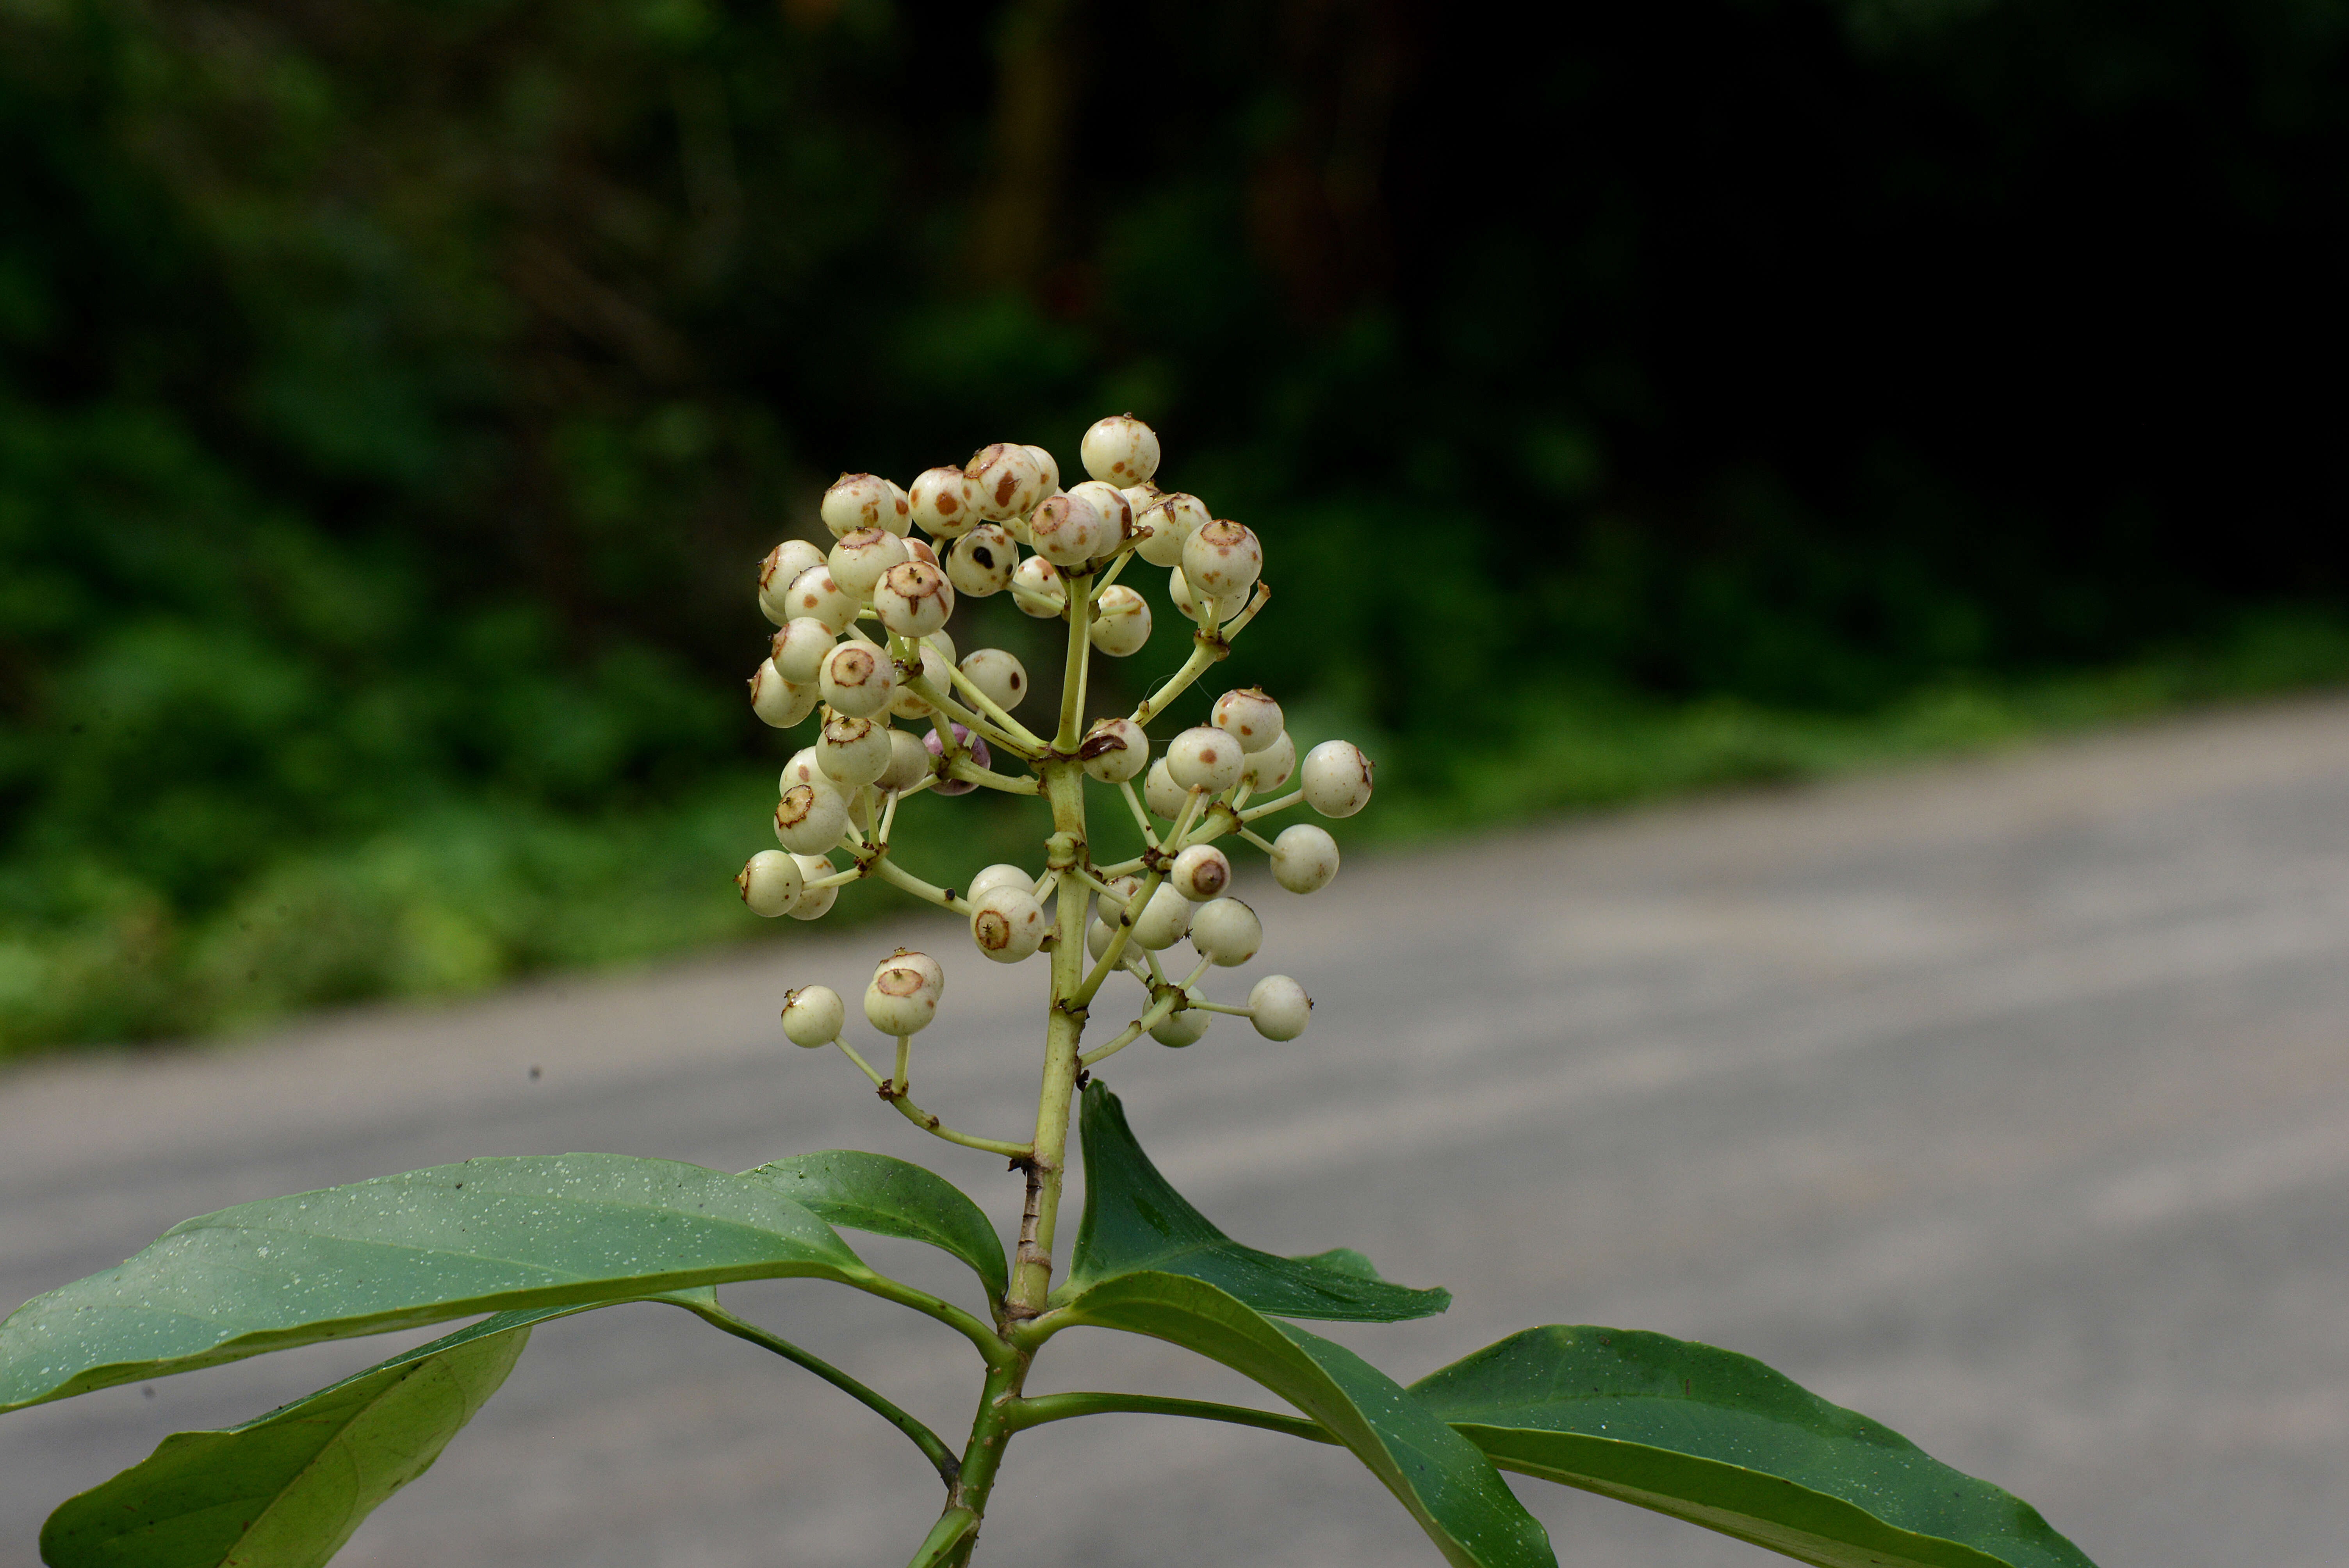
{"x": 1091, "y": 921}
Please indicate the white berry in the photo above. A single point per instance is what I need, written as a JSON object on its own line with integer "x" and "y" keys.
{"x": 853, "y": 750}
{"x": 909, "y": 703}
{"x": 1008, "y": 924}
{"x": 981, "y": 562}
{"x": 941, "y": 500}
{"x": 1165, "y": 524}
{"x": 899, "y": 1002}
{"x": 1050, "y": 467}
{"x": 998, "y": 674}
{"x": 814, "y": 594}
{"x": 1160, "y": 793}
{"x": 1337, "y": 779}
{"x": 914, "y": 598}
{"x": 1227, "y": 932}
{"x": 1069, "y": 531}
{"x": 933, "y": 973}
{"x": 859, "y": 501}
{"x": 1116, "y": 512}
{"x": 1179, "y": 590}
{"x": 1304, "y": 857}
{"x": 861, "y": 557}
{"x": 858, "y": 679}
{"x": 1249, "y": 716}
{"x": 1203, "y": 757}
{"x": 1278, "y": 1007}
{"x": 1039, "y": 589}
{"x": 776, "y": 572}
{"x": 1268, "y": 769}
{"x": 1121, "y": 449}
{"x": 813, "y": 1015}
{"x": 1200, "y": 872}
{"x": 1005, "y": 480}
{"x": 1121, "y": 622}
{"x": 1114, "y": 750}
{"x": 1222, "y": 560}
{"x": 770, "y": 882}
{"x": 909, "y": 761}
{"x": 814, "y": 901}
{"x": 779, "y": 702}
{"x": 799, "y": 649}
{"x": 1182, "y": 1028}
{"x": 808, "y": 820}
{"x": 999, "y": 876}
{"x": 1163, "y": 919}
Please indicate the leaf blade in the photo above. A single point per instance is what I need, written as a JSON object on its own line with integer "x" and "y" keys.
{"x": 1723, "y": 1441}
{"x": 893, "y": 1197}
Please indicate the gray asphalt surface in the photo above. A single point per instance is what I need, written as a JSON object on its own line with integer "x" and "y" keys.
{"x": 2006, "y": 1100}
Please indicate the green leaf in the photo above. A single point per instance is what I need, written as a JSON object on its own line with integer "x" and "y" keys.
{"x": 1135, "y": 1220}
{"x": 1721, "y": 1440}
{"x": 892, "y": 1198}
{"x": 487, "y": 1235}
{"x": 1446, "y": 1483}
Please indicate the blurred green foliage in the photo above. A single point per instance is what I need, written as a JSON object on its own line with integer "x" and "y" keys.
{"x": 395, "y": 397}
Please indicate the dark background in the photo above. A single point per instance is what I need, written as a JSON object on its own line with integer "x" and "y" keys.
{"x": 395, "y": 398}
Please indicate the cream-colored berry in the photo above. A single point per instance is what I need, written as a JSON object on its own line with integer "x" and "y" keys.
{"x": 778, "y": 702}
{"x": 1225, "y": 931}
{"x": 1336, "y": 779}
{"x": 854, "y": 750}
{"x": 799, "y": 647}
{"x": 1121, "y": 622}
{"x": 1050, "y": 467}
{"x": 813, "y": 1015}
{"x": 778, "y": 571}
{"x": 1222, "y": 560}
{"x": 1200, "y": 872}
{"x": 1121, "y": 449}
{"x": 816, "y": 902}
{"x": 1165, "y": 917}
{"x": 981, "y": 562}
{"x": 1249, "y": 716}
{"x": 1268, "y": 769}
{"x": 1160, "y": 793}
{"x": 914, "y": 598}
{"x": 899, "y": 518}
{"x": 941, "y": 502}
{"x": 1278, "y": 1007}
{"x": 808, "y": 820}
{"x": 998, "y": 674}
{"x": 1116, "y": 893}
{"x": 933, "y": 973}
{"x": 861, "y": 557}
{"x": 909, "y": 761}
{"x": 1165, "y": 524}
{"x": 1000, "y": 875}
{"x": 1304, "y": 857}
{"x": 1182, "y": 1028}
{"x": 1039, "y": 589}
{"x": 909, "y": 703}
{"x": 1069, "y": 531}
{"x": 1114, "y": 750}
{"x": 1005, "y": 480}
{"x": 900, "y": 1002}
{"x": 858, "y": 679}
{"x": 859, "y": 501}
{"x": 1008, "y": 924}
{"x": 1098, "y": 936}
{"x": 815, "y": 595}
{"x": 770, "y": 882}
{"x": 1203, "y": 757}
{"x": 1179, "y": 590}
{"x": 1116, "y": 512}
{"x": 921, "y": 550}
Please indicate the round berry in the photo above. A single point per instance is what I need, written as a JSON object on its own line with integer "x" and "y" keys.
{"x": 1098, "y": 937}
{"x": 1165, "y": 524}
{"x": 964, "y": 740}
{"x": 801, "y": 770}
{"x": 909, "y": 703}
{"x": 1278, "y": 1007}
{"x": 1050, "y": 467}
{"x": 1222, "y": 560}
{"x": 814, "y": 594}
{"x": 853, "y": 750}
{"x": 914, "y": 598}
{"x": 1163, "y": 919}
{"x": 941, "y": 501}
{"x": 770, "y": 882}
{"x": 1069, "y": 531}
{"x": 1116, "y": 512}
{"x": 899, "y": 518}
{"x": 1268, "y": 769}
{"x": 858, "y": 679}
{"x": 999, "y": 876}
{"x": 1337, "y": 779}
{"x": 1304, "y": 857}
{"x": 1121, "y": 622}
{"x": 808, "y": 820}
{"x": 1249, "y": 716}
{"x": 981, "y": 562}
{"x": 1005, "y": 480}
{"x": 858, "y": 500}
{"x": 1115, "y": 749}
{"x": 1121, "y": 449}
{"x": 933, "y": 973}
{"x": 776, "y": 572}
{"x": 1200, "y": 872}
{"x": 813, "y": 1015}
{"x": 814, "y": 903}
{"x": 799, "y": 649}
{"x": 1227, "y": 932}
{"x": 778, "y": 702}
{"x": 1008, "y": 924}
{"x": 1203, "y": 757}
{"x": 909, "y": 762}
{"x": 1182, "y": 1028}
{"x": 1160, "y": 793}
{"x": 861, "y": 557}
{"x": 999, "y": 674}
{"x": 899, "y": 1002}
{"x": 1179, "y": 590}
{"x": 1039, "y": 589}
{"x": 920, "y": 549}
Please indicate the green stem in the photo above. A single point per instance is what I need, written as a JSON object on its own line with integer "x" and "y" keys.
{"x": 933, "y": 1447}
{"x": 1026, "y": 1413}
{"x": 991, "y": 1347}
{"x": 943, "y": 1537}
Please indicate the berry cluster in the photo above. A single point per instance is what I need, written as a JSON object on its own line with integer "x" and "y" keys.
{"x": 861, "y": 638}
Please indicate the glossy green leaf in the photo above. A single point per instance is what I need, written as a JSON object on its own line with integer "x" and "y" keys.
{"x": 1721, "y": 1440}
{"x": 892, "y": 1198}
{"x": 1450, "y": 1487}
{"x": 1135, "y": 1220}
{"x": 487, "y": 1235}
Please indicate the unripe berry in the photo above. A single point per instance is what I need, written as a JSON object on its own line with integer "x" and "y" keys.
{"x": 1160, "y": 793}
{"x": 933, "y": 973}
{"x": 1115, "y": 749}
{"x": 1121, "y": 622}
{"x": 909, "y": 762}
{"x": 1169, "y": 520}
{"x": 1116, "y": 512}
{"x": 799, "y": 649}
{"x": 814, "y": 903}
{"x": 981, "y": 562}
{"x": 998, "y": 674}
{"x": 1098, "y": 936}
{"x": 1203, "y": 757}
{"x": 1182, "y": 1028}
{"x": 899, "y": 518}
{"x": 858, "y": 679}
{"x": 999, "y": 876}
{"x": 801, "y": 770}
{"x": 1121, "y": 449}
{"x": 1117, "y": 893}
{"x": 1200, "y": 872}
{"x": 1039, "y": 589}
{"x": 1069, "y": 531}
{"x": 899, "y": 1002}
{"x": 1249, "y": 716}
{"x": 777, "y": 701}
{"x": 808, "y": 820}
{"x": 1005, "y": 480}
{"x": 1267, "y": 771}
{"x": 861, "y": 557}
{"x": 936, "y": 747}
{"x": 770, "y": 882}
{"x": 1337, "y": 779}
{"x": 914, "y": 598}
{"x": 854, "y": 750}
{"x": 944, "y": 643}
{"x": 1278, "y": 1007}
{"x": 1227, "y": 932}
{"x": 1179, "y": 590}
{"x": 813, "y": 1015}
{"x": 1304, "y": 857}
{"x": 1050, "y": 467}
{"x": 1163, "y": 919}
{"x": 1008, "y": 924}
{"x": 910, "y": 703}
{"x": 783, "y": 563}
{"x": 941, "y": 502}
{"x": 858, "y": 500}
{"x": 814, "y": 594}
{"x": 1223, "y": 559}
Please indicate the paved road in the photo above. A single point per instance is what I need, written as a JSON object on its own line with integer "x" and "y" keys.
{"x": 2006, "y": 1100}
